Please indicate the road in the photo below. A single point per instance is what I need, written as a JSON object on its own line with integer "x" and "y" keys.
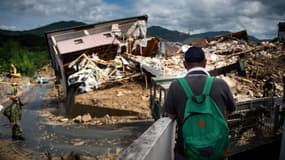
{"x": 42, "y": 137}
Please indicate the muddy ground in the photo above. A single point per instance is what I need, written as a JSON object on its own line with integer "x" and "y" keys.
{"x": 120, "y": 103}
{"x": 112, "y": 105}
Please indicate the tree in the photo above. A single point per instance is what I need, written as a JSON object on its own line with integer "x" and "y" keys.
{"x": 25, "y": 60}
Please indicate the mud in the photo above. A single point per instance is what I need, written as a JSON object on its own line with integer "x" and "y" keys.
{"x": 48, "y": 137}
{"x": 120, "y": 103}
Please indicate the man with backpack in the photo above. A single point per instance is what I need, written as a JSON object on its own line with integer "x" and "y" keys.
{"x": 200, "y": 104}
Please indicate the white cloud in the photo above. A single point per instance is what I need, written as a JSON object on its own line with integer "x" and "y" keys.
{"x": 5, "y": 27}
{"x": 211, "y": 15}
{"x": 68, "y": 8}
{"x": 182, "y": 15}
{"x": 252, "y": 8}
{"x": 256, "y": 16}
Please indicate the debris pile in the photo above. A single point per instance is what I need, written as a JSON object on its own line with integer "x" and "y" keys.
{"x": 87, "y": 119}
{"x": 83, "y": 119}
{"x": 93, "y": 72}
{"x": 261, "y": 61}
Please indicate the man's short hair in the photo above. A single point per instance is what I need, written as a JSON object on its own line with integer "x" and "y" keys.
{"x": 194, "y": 54}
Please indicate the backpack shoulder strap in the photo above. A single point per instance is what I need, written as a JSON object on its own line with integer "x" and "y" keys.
{"x": 207, "y": 90}
{"x": 184, "y": 84}
{"x": 198, "y": 98}
{"x": 208, "y": 85}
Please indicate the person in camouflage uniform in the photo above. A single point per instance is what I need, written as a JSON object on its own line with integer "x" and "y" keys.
{"x": 14, "y": 114}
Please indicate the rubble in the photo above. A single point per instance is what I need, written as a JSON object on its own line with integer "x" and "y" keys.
{"x": 228, "y": 49}
{"x": 93, "y": 72}
{"x": 83, "y": 119}
{"x": 78, "y": 142}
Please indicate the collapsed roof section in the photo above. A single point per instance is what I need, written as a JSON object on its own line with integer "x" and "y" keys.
{"x": 116, "y": 32}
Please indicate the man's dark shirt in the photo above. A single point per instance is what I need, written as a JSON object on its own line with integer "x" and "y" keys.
{"x": 176, "y": 99}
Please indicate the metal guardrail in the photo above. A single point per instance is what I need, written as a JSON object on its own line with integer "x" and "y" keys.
{"x": 158, "y": 92}
{"x": 254, "y": 123}
{"x": 156, "y": 143}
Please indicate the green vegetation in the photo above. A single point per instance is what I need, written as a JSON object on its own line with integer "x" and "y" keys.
{"x": 26, "y": 60}
{"x": 27, "y": 50}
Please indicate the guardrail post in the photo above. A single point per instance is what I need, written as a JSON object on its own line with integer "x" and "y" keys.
{"x": 282, "y": 149}
{"x": 276, "y": 123}
{"x": 284, "y": 87}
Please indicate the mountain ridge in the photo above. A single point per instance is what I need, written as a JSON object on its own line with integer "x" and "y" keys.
{"x": 39, "y": 31}
{"x": 155, "y": 31}
{"x": 171, "y": 35}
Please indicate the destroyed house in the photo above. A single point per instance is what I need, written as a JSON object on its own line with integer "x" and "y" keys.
{"x": 80, "y": 51}
{"x": 281, "y": 31}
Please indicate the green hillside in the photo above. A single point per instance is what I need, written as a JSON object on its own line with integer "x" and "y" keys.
{"x": 168, "y": 35}
{"x": 55, "y": 26}
{"x": 27, "y": 50}
{"x": 175, "y": 36}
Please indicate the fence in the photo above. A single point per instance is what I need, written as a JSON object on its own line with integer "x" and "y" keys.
{"x": 253, "y": 124}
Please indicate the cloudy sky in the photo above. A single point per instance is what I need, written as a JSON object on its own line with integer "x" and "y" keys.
{"x": 258, "y": 17}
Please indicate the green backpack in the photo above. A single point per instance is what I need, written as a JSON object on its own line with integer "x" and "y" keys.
{"x": 204, "y": 130}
